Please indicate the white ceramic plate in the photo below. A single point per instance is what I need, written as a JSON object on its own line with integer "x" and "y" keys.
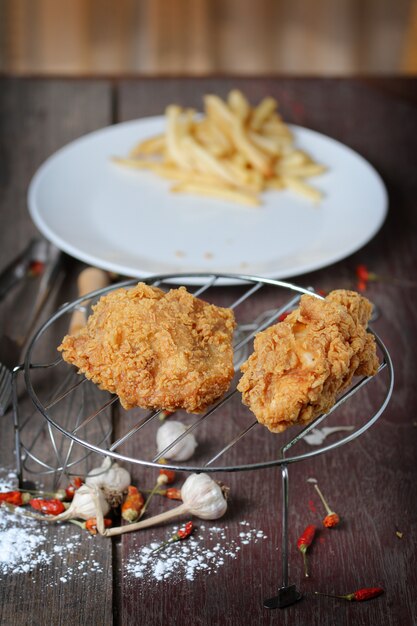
{"x": 128, "y": 221}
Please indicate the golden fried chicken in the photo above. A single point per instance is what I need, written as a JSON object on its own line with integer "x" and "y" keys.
{"x": 156, "y": 349}
{"x": 300, "y": 365}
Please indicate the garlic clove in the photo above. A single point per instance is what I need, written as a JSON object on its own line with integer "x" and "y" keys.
{"x": 169, "y": 432}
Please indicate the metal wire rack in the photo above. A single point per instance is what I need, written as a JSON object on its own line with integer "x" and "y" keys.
{"x": 79, "y": 418}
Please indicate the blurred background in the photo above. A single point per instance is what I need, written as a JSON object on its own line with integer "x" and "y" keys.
{"x": 325, "y": 37}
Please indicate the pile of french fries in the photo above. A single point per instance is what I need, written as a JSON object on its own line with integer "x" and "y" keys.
{"x": 233, "y": 152}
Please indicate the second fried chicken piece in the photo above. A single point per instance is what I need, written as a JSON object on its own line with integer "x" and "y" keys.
{"x": 300, "y": 365}
{"x": 156, "y": 349}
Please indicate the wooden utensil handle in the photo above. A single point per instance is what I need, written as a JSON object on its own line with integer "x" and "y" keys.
{"x": 89, "y": 280}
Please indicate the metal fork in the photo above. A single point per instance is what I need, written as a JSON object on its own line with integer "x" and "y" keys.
{"x": 10, "y": 353}
{"x": 11, "y": 347}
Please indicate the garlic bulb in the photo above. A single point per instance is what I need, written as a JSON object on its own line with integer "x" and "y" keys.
{"x": 111, "y": 478}
{"x": 203, "y": 497}
{"x": 87, "y": 502}
{"x": 169, "y": 432}
{"x": 84, "y": 506}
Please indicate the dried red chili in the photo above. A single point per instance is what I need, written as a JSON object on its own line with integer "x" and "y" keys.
{"x": 18, "y": 498}
{"x": 180, "y": 535}
{"x": 332, "y": 519}
{"x": 304, "y": 543}
{"x": 36, "y": 268}
{"x": 364, "y": 276}
{"x": 166, "y": 476}
{"x": 173, "y": 494}
{"x": 185, "y": 532}
{"x": 367, "y": 593}
{"x": 133, "y": 505}
{"x": 91, "y": 524}
{"x": 75, "y": 484}
{"x": 52, "y": 507}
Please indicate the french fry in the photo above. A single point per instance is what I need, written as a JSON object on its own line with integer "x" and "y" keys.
{"x": 173, "y": 137}
{"x": 257, "y": 158}
{"x": 219, "y": 191}
{"x": 140, "y": 164}
{"x": 302, "y": 188}
{"x": 269, "y": 145}
{"x": 153, "y": 145}
{"x": 208, "y": 162}
{"x": 239, "y": 104}
{"x": 233, "y": 152}
{"x": 262, "y": 112}
{"x": 303, "y": 171}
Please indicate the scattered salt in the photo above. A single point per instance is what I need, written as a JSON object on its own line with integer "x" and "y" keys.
{"x": 26, "y": 546}
{"x": 184, "y": 560}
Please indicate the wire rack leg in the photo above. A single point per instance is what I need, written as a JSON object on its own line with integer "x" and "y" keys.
{"x": 287, "y": 594}
{"x": 16, "y": 426}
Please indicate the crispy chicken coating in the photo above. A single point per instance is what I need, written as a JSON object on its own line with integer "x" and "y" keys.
{"x": 155, "y": 349}
{"x": 300, "y": 365}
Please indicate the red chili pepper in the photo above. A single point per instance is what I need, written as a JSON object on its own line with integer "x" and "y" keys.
{"x": 18, "y": 498}
{"x": 166, "y": 476}
{"x": 358, "y": 596}
{"x": 304, "y": 542}
{"x": 185, "y": 532}
{"x": 332, "y": 519}
{"x": 364, "y": 276}
{"x": 36, "y": 268}
{"x": 181, "y": 534}
{"x": 53, "y": 507}
{"x": 133, "y": 505}
{"x": 173, "y": 494}
{"x": 283, "y": 316}
{"x": 91, "y": 524}
{"x": 362, "y": 272}
{"x": 73, "y": 486}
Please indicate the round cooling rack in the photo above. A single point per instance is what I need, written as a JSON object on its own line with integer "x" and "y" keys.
{"x": 66, "y": 411}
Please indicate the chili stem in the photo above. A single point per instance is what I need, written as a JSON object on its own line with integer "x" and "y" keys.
{"x": 326, "y": 506}
{"x": 148, "y": 499}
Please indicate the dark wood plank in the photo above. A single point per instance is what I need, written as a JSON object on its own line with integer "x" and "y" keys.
{"x": 37, "y": 117}
{"x": 370, "y": 482}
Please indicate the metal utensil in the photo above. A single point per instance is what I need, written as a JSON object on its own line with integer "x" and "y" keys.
{"x": 11, "y": 348}
{"x": 9, "y": 355}
{"x": 17, "y": 269}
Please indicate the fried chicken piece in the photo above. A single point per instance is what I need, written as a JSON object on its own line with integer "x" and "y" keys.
{"x": 155, "y": 349}
{"x": 300, "y": 365}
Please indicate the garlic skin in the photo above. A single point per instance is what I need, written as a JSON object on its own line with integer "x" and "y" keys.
{"x": 83, "y": 505}
{"x": 203, "y": 497}
{"x": 167, "y": 433}
{"x": 110, "y": 477}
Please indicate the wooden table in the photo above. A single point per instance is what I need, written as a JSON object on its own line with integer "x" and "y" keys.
{"x": 370, "y": 482}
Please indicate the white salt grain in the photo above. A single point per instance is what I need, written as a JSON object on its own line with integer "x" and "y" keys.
{"x": 26, "y": 545}
{"x": 202, "y": 552}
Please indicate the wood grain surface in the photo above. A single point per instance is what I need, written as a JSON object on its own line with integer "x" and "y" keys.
{"x": 370, "y": 482}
